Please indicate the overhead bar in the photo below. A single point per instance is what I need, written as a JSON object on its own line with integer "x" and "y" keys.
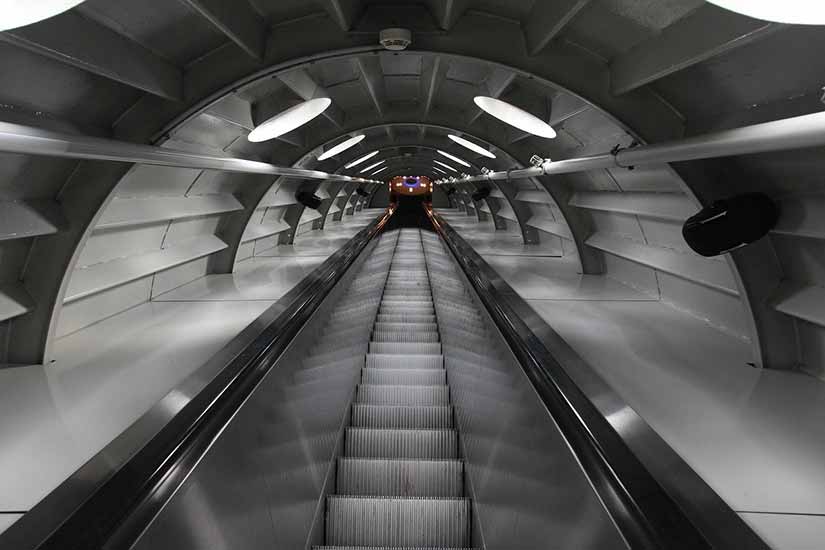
{"x": 780, "y": 135}
{"x": 15, "y": 138}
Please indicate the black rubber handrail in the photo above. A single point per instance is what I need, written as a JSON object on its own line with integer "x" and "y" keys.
{"x": 646, "y": 515}
{"x": 116, "y": 510}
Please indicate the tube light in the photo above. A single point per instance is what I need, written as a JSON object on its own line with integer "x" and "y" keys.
{"x": 453, "y": 158}
{"x": 439, "y": 170}
{"x": 445, "y": 165}
{"x": 292, "y": 118}
{"x": 514, "y": 116}
{"x": 362, "y": 159}
{"x": 19, "y": 13}
{"x": 795, "y": 12}
{"x": 472, "y": 146}
{"x": 379, "y": 170}
{"x": 341, "y": 147}
{"x": 376, "y": 165}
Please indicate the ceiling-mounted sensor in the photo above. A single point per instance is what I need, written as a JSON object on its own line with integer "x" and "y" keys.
{"x": 395, "y": 39}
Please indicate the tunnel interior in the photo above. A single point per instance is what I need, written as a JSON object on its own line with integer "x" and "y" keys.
{"x": 147, "y": 235}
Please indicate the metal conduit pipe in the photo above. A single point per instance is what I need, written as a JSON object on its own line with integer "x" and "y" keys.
{"x": 779, "y": 135}
{"x": 15, "y": 138}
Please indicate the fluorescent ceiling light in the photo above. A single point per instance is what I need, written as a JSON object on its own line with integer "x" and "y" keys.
{"x": 292, "y": 118}
{"x": 362, "y": 159}
{"x": 376, "y": 165}
{"x": 341, "y": 147}
{"x": 445, "y": 165}
{"x": 514, "y": 116}
{"x": 439, "y": 170}
{"x": 453, "y": 158}
{"x": 19, "y": 13}
{"x": 796, "y": 12}
{"x": 379, "y": 170}
{"x": 472, "y": 146}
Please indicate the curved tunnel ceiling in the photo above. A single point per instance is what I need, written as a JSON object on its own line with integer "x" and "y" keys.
{"x": 600, "y": 90}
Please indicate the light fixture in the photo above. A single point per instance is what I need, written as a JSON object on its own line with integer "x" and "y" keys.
{"x": 17, "y": 13}
{"x": 472, "y": 146}
{"x": 362, "y": 159}
{"x": 292, "y": 118}
{"x": 398, "y": 184}
{"x": 371, "y": 166}
{"x": 514, "y": 116}
{"x": 439, "y": 170}
{"x": 341, "y": 147}
{"x": 795, "y": 12}
{"x": 379, "y": 170}
{"x": 453, "y": 158}
{"x": 445, "y": 165}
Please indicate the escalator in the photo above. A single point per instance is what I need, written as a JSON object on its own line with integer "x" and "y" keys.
{"x": 400, "y": 399}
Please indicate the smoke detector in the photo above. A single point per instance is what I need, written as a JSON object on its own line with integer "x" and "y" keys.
{"x": 395, "y": 40}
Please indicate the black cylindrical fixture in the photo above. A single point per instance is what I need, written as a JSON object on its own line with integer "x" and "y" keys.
{"x": 308, "y": 199}
{"x": 730, "y": 223}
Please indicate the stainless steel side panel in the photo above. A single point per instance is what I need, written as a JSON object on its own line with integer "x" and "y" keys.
{"x": 259, "y": 485}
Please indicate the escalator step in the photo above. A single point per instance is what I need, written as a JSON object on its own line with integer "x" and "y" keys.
{"x": 400, "y": 348}
{"x": 405, "y": 478}
{"x": 405, "y": 318}
{"x": 404, "y": 336}
{"x": 394, "y": 443}
{"x": 401, "y": 417}
{"x": 401, "y": 326}
{"x": 398, "y": 522}
{"x": 402, "y": 395}
{"x": 404, "y": 377}
{"x": 406, "y": 361}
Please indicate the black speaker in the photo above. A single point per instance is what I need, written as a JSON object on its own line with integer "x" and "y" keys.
{"x": 363, "y": 192}
{"x": 310, "y": 200}
{"x": 730, "y": 223}
{"x": 449, "y": 191}
{"x": 481, "y": 194}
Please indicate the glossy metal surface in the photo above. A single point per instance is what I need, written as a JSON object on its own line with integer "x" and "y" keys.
{"x": 527, "y": 487}
{"x": 15, "y": 138}
{"x": 676, "y": 499}
{"x": 188, "y": 413}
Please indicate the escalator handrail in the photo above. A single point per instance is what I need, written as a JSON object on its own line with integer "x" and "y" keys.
{"x": 647, "y": 515}
{"x": 109, "y": 507}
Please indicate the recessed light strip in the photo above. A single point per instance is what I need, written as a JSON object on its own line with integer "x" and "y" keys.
{"x": 289, "y": 120}
{"x": 472, "y": 146}
{"x": 795, "y": 12}
{"x": 376, "y": 165}
{"x": 362, "y": 159}
{"x": 453, "y": 158}
{"x": 341, "y": 147}
{"x": 19, "y": 14}
{"x": 379, "y": 170}
{"x": 445, "y": 165}
{"x": 515, "y": 117}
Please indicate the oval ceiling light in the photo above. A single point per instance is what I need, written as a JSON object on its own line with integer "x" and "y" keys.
{"x": 292, "y": 118}
{"x": 445, "y": 165}
{"x": 356, "y": 162}
{"x": 472, "y": 146}
{"x": 19, "y": 13}
{"x": 453, "y": 158}
{"x": 341, "y": 147}
{"x": 514, "y": 116}
{"x": 376, "y": 165}
{"x": 795, "y": 12}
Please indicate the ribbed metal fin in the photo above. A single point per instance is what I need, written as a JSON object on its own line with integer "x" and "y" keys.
{"x": 396, "y": 361}
{"x": 389, "y": 416}
{"x": 394, "y": 522}
{"x": 393, "y": 477}
{"x": 404, "y": 377}
{"x": 389, "y": 443}
{"x": 403, "y": 395}
{"x": 422, "y": 348}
